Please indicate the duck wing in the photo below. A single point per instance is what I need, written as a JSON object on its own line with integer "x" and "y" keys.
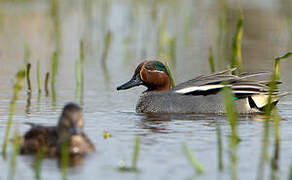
{"x": 39, "y": 138}
{"x": 241, "y": 86}
{"x": 210, "y": 84}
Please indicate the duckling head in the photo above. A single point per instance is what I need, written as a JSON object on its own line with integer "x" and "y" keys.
{"x": 70, "y": 122}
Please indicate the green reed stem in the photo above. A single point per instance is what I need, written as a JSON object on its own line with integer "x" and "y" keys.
{"x": 275, "y": 158}
{"x": 17, "y": 87}
{"x": 236, "y": 57}
{"x": 39, "y": 77}
{"x": 194, "y": 162}
{"x": 54, "y": 71}
{"x": 77, "y": 77}
{"x": 64, "y": 160}
{"x": 82, "y": 59}
{"x": 28, "y": 103}
{"x": 211, "y": 60}
{"x": 107, "y": 44}
{"x": 234, "y": 139}
{"x": 47, "y": 83}
{"x": 13, "y": 160}
{"x": 268, "y": 109}
{"x": 220, "y": 147}
{"x": 136, "y": 153}
{"x": 55, "y": 15}
{"x": 277, "y": 63}
{"x": 37, "y": 164}
{"x": 28, "y": 67}
{"x": 172, "y": 84}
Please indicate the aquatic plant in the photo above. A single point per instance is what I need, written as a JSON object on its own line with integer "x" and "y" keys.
{"x": 28, "y": 67}
{"x": 194, "y": 162}
{"x": 37, "y": 164}
{"x": 268, "y": 110}
{"x": 122, "y": 166}
{"x": 64, "y": 160}
{"x": 82, "y": 59}
{"x": 277, "y": 64}
{"x": 172, "y": 84}
{"x": 236, "y": 57}
{"x": 107, "y": 44}
{"x": 166, "y": 43}
{"x": 219, "y": 147}
{"x": 106, "y": 135}
{"x": 39, "y": 77}
{"x": 211, "y": 60}
{"x": 13, "y": 160}
{"x": 17, "y": 87}
{"x": 234, "y": 139}
{"x": 77, "y": 77}
{"x": 47, "y": 78}
{"x": 54, "y": 71}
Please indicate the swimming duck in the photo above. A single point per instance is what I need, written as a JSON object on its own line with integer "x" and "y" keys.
{"x": 200, "y": 95}
{"x": 50, "y": 139}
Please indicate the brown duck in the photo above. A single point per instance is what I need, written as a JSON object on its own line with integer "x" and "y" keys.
{"x": 50, "y": 139}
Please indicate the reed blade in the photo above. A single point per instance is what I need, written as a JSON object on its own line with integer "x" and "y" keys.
{"x": 236, "y": 57}
{"x": 39, "y": 77}
{"x": 136, "y": 153}
{"x": 194, "y": 162}
{"x": 17, "y": 87}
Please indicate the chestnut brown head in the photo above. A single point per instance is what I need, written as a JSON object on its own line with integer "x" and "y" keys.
{"x": 152, "y": 74}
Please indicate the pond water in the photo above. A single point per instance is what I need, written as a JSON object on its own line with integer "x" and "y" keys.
{"x": 139, "y": 30}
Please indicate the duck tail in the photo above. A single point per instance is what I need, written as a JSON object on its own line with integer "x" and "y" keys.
{"x": 260, "y": 101}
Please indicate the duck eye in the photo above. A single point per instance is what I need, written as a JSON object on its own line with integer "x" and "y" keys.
{"x": 150, "y": 67}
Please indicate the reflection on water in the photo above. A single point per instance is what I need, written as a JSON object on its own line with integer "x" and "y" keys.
{"x": 117, "y": 35}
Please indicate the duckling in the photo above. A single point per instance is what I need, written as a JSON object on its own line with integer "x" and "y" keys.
{"x": 49, "y": 139}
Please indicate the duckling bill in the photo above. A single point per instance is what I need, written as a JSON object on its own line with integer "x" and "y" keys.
{"x": 199, "y": 95}
{"x": 49, "y": 140}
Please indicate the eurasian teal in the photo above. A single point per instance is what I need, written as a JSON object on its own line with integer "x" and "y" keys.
{"x": 50, "y": 139}
{"x": 200, "y": 95}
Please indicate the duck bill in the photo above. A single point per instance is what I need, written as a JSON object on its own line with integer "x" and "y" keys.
{"x": 75, "y": 131}
{"x": 135, "y": 81}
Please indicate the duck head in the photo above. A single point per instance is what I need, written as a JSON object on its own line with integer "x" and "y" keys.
{"x": 70, "y": 122}
{"x": 150, "y": 73}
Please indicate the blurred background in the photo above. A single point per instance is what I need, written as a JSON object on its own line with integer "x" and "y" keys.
{"x": 119, "y": 34}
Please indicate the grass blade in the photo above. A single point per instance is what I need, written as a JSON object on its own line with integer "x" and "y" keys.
{"x": 13, "y": 160}
{"x": 211, "y": 60}
{"x": 236, "y": 57}
{"x": 82, "y": 59}
{"x": 172, "y": 84}
{"x": 39, "y": 77}
{"x": 54, "y": 72}
{"x": 234, "y": 139}
{"x": 37, "y": 164}
{"x": 277, "y": 63}
{"x": 47, "y": 83}
{"x": 28, "y": 67}
{"x": 219, "y": 146}
{"x": 64, "y": 160}
{"x": 194, "y": 162}
{"x": 136, "y": 153}
{"x": 17, "y": 87}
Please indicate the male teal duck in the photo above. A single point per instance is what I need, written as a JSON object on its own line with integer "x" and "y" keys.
{"x": 50, "y": 139}
{"x": 200, "y": 95}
